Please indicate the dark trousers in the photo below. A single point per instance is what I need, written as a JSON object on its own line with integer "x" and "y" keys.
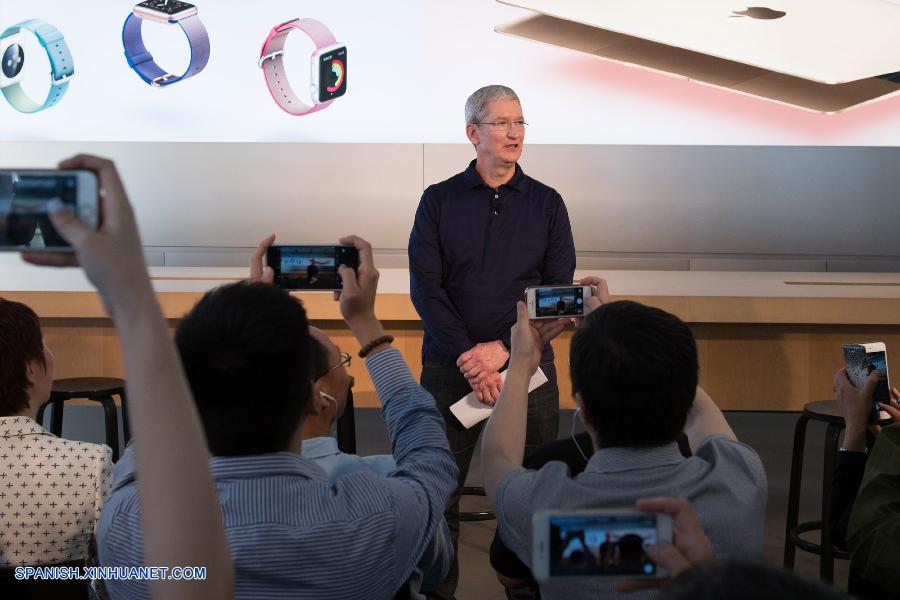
{"x": 448, "y": 385}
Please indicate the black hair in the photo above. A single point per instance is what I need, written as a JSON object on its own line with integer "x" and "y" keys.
{"x": 737, "y": 580}
{"x": 246, "y": 352}
{"x": 636, "y": 369}
{"x": 20, "y": 343}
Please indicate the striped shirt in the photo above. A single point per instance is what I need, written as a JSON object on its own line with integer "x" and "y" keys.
{"x": 724, "y": 480}
{"x": 291, "y": 533}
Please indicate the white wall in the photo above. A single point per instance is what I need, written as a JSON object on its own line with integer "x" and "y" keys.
{"x": 633, "y": 206}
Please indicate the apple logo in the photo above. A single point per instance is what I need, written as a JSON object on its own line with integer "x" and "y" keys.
{"x": 759, "y": 12}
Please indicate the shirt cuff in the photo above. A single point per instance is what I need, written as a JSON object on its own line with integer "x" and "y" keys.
{"x": 389, "y": 372}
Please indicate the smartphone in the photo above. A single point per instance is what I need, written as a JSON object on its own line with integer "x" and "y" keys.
{"x": 558, "y": 301}
{"x": 860, "y": 360}
{"x": 24, "y": 195}
{"x": 310, "y": 267}
{"x": 597, "y": 543}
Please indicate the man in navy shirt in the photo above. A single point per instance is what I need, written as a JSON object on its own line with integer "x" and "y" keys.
{"x": 479, "y": 239}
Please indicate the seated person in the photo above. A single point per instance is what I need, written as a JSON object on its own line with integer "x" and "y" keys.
{"x": 181, "y": 517}
{"x": 329, "y": 399}
{"x": 573, "y": 452}
{"x": 634, "y": 376}
{"x": 865, "y": 492}
{"x": 53, "y": 488}
{"x": 246, "y": 352}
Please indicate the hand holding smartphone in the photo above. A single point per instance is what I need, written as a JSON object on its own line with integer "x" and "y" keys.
{"x": 557, "y": 302}
{"x": 310, "y": 267}
{"x": 605, "y": 544}
{"x": 861, "y": 360}
{"x": 24, "y": 197}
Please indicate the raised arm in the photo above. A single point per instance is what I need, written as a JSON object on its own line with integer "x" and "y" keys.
{"x": 503, "y": 444}
{"x": 182, "y": 524}
{"x": 705, "y": 419}
{"x": 426, "y": 473}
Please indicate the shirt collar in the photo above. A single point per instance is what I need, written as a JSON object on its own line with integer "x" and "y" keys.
{"x": 11, "y": 427}
{"x": 619, "y": 459}
{"x": 262, "y": 465}
{"x": 472, "y": 179}
{"x": 233, "y": 467}
{"x": 319, "y": 447}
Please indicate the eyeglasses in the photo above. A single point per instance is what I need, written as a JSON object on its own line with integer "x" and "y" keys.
{"x": 345, "y": 362}
{"x": 505, "y": 125}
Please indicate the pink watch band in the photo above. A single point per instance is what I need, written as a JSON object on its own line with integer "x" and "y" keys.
{"x": 272, "y": 63}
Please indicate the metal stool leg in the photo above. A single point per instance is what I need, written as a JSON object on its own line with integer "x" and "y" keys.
{"x": 56, "y": 417}
{"x": 346, "y": 427}
{"x": 793, "y": 508}
{"x": 126, "y": 426}
{"x": 478, "y": 515}
{"x": 39, "y": 417}
{"x": 826, "y": 560}
{"x": 111, "y": 419}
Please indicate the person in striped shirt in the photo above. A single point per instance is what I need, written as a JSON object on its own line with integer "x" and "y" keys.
{"x": 291, "y": 533}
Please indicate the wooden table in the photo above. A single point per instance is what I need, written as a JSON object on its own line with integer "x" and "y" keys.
{"x": 767, "y": 341}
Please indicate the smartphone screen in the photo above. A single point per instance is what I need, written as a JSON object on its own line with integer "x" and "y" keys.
{"x": 598, "y": 545}
{"x": 860, "y": 361}
{"x": 24, "y": 196}
{"x": 310, "y": 267}
{"x": 559, "y": 302}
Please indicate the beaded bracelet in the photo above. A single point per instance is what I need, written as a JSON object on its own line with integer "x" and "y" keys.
{"x": 385, "y": 339}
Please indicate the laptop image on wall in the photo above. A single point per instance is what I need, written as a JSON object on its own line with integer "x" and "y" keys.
{"x": 825, "y": 56}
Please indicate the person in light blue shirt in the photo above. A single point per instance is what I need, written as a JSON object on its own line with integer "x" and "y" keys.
{"x": 246, "y": 352}
{"x": 331, "y": 386}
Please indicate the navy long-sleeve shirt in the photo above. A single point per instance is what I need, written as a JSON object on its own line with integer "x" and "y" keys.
{"x": 473, "y": 251}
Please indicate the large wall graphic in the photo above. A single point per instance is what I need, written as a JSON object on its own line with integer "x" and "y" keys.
{"x": 408, "y": 67}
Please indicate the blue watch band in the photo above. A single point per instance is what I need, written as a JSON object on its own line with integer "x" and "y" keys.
{"x": 62, "y": 67}
{"x": 141, "y": 60}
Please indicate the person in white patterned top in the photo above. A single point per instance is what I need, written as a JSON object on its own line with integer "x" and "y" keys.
{"x": 51, "y": 489}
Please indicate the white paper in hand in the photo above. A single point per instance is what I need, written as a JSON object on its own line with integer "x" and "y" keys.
{"x": 470, "y": 411}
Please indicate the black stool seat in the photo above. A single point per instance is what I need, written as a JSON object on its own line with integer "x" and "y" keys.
{"x": 825, "y": 411}
{"x": 97, "y": 389}
{"x": 77, "y": 387}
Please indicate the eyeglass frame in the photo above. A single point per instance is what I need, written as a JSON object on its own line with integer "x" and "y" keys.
{"x": 346, "y": 359}
{"x": 510, "y": 124}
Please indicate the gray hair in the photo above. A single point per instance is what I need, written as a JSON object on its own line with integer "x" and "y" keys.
{"x": 476, "y": 104}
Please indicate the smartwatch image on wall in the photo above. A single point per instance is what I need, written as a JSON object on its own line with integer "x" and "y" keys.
{"x": 328, "y": 73}
{"x": 12, "y": 71}
{"x": 167, "y": 12}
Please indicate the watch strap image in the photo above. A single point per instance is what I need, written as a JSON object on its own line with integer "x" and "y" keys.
{"x": 62, "y": 67}
{"x": 272, "y": 63}
{"x": 142, "y": 62}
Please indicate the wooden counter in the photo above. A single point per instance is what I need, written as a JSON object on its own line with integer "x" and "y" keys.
{"x": 767, "y": 341}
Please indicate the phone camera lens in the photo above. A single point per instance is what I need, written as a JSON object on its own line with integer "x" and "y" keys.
{"x": 13, "y": 60}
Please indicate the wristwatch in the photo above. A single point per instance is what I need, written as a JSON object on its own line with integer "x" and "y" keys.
{"x": 62, "y": 67}
{"x": 328, "y": 73}
{"x": 167, "y": 12}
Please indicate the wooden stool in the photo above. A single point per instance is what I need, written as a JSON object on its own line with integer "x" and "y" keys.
{"x": 825, "y": 411}
{"x": 97, "y": 389}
